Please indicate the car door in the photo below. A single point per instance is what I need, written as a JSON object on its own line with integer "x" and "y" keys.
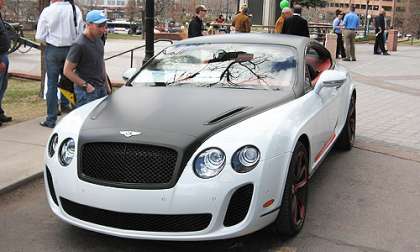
{"x": 325, "y": 105}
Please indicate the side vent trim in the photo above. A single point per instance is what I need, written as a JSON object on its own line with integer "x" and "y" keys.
{"x": 227, "y": 114}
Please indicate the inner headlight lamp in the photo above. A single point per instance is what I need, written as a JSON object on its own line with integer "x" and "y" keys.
{"x": 245, "y": 159}
{"x": 66, "y": 152}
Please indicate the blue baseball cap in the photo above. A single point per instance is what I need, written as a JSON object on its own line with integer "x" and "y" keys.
{"x": 96, "y": 17}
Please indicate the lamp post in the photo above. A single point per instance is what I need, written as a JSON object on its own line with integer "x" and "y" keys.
{"x": 366, "y": 18}
{"x": 149, "y": 30}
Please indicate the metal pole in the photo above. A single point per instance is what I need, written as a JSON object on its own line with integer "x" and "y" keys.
{"x": 149, "y": 32}
{"x": 227, "y": 9}
{"x": 366, "y": 18}
{"x": 393, "y": 13}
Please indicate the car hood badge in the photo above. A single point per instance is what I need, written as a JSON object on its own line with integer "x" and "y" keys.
{"x": 129, "y": 133}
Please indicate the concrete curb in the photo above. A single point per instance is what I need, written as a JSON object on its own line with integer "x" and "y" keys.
{"x": 22, "y": 182}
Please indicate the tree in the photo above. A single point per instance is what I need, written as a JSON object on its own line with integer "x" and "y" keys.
{"x": 408, "y": 19}
{"x": 133, "y": 10}
{"x": 312, "y": 3}
{"x": 163, "y": 8}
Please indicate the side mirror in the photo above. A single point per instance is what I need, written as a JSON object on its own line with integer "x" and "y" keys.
{"x": 330, "y": 79}
{"x": 129, "y": 73}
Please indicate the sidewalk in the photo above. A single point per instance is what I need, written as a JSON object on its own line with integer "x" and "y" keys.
{"x": 21, "y": 155}
{"x": 388, "y": 116}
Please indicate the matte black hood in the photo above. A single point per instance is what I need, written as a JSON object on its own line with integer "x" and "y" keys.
{"x": 177, "y": 118}
{"x": 185, "y": 111}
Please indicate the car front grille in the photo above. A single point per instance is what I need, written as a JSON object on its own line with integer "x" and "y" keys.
{"x": 125, "y": 165}
{"x": 239, "y": 205}
{"x": 137, "y": 222}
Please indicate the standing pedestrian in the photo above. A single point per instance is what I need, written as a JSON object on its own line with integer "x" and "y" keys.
{"x": 4, "y": 64}
{"x": 351, "y": 23}
{"x": 380, "y": 37}
{"x": 58, "y": 27}
{"x": 285, "y": 13}
{"x": 295, "y": 24}
{"x": 337, "y": 25}
{"x": 196, "y": 26}
{"x": 85, "y": 64}
{"x": 241, "y": 21}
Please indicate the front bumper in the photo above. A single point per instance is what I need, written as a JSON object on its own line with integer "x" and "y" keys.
{"x": 190, "y": 196}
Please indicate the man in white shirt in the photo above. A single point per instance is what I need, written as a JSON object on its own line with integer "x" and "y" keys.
{"x": 58, "y": 27}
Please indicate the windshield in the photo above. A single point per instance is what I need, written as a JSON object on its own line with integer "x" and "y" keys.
{"x": 221, "y": 65}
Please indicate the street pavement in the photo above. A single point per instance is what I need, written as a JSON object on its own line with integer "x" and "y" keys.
{"x": 358, "y": 201}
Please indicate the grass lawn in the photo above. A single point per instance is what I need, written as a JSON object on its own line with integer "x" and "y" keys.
{"x": 415, "y": 42}
{"x": 22, "y": 102}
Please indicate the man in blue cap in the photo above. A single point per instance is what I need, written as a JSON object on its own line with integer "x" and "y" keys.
{"x": 85, "y": 64}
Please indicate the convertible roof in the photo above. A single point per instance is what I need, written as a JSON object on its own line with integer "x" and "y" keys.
{"x": 298, "y": 42}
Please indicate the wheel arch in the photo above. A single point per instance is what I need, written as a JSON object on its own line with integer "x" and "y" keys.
{"x": 304, "y": 139}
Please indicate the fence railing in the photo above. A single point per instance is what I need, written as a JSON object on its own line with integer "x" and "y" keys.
{"x": 131, "y": 51}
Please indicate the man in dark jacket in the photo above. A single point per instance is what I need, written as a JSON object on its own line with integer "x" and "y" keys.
{"x": 296, "y": 25}
{"x": 379, "y": 30}
{"x": 4, "y": 64}
{"x": 196, "y": 27}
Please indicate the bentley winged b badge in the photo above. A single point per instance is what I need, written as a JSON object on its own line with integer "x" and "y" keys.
{"x": 129, "y": 133}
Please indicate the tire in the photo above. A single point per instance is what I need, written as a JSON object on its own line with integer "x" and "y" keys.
{"x": 292, "y": 212}
{"x": 347, "y": 136}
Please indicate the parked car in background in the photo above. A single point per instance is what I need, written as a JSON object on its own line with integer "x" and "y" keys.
{"x": 119, "y": 26}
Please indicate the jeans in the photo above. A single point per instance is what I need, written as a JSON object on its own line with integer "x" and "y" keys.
{"x": 379, "y": 46}
{"x": 340, "y": 51}
{"x": 54, "y": 59}
{"x": 3, "y": 79}
{"x": 84, "y": 97}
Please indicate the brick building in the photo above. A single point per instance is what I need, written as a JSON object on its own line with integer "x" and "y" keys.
{"x": 373, "y": 6}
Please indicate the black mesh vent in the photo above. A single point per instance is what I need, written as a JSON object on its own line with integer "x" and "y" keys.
{"x": 239, "y": 205}
{"x": 51, "y": 186}
{"x": 137, "y": 222}
{"x": 121, "y": 163}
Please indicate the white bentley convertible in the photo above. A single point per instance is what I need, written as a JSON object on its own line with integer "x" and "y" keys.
{"x": 215, "y": 137}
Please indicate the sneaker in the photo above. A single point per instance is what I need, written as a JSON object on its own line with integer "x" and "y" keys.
{"x": 47, "y": 124}
{"x": 353, "y": 59}
{"x": 4, "y": 118}
{"x": 346, "y": 59}
{"x": 376, "y": 53}
{"x": 386, "y": 53}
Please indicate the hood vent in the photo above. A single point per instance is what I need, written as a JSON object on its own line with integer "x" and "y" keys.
{"x": 227, "y": 114}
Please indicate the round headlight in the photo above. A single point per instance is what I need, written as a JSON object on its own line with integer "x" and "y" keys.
{"x": 209, "y": 163}
{"x": 66, "y": 152}
{"x": 245, "y": 159}
{"x": 52, "y": 145}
